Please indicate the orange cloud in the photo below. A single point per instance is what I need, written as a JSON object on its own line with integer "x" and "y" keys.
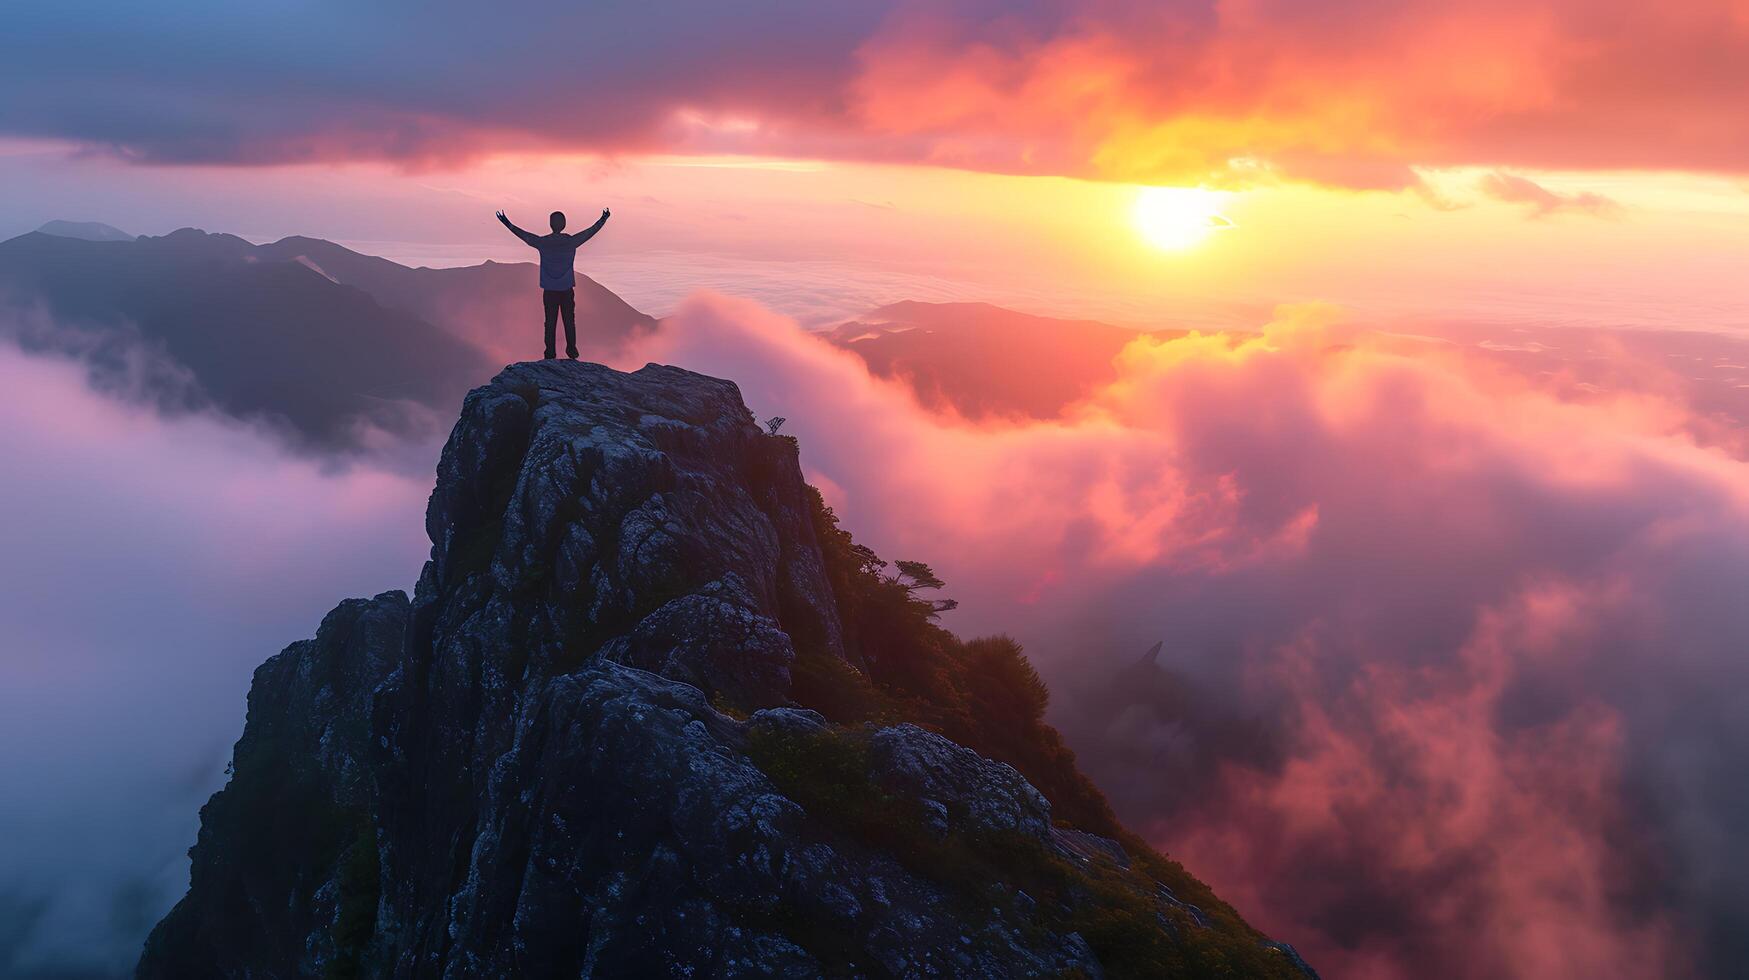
{"x": 1343, "y": 92}
{"x": 1346, "y": 92}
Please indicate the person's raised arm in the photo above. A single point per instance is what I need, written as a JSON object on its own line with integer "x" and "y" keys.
{"x": 527, "y": 238}
{"x": 590, "y": 231}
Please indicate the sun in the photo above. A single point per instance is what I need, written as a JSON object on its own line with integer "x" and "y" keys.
{"x": 1175, "y": 218}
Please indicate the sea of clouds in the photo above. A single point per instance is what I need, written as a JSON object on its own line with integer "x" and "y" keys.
{"x": 152, "y": 562}
{"x": 1488, "y": 633}
{"x": 1492, "y": 633}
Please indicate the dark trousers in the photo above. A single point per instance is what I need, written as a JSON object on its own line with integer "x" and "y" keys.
{"x": 561, "y": 301}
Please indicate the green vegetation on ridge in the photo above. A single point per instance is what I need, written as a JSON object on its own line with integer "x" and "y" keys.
{"x": 984, "y": 694}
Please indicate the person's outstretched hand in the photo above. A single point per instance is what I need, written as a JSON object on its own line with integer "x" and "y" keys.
{"x": 501, "y": 216}
{"x": 605, "y": 213}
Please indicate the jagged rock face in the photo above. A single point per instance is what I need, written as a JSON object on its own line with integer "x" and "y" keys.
{"x": 294, "y": 825}
{"x": 570, "y": 753}
{"x": 520, "y": 797}
{"x": 646, "y": 507}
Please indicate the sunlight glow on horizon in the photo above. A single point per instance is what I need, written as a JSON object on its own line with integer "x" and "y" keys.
{"x": 1177, "y": 218}
{"x": 1668, "y": 255}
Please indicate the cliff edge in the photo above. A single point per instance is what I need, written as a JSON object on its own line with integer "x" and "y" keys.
{"x": 650, "y": 711}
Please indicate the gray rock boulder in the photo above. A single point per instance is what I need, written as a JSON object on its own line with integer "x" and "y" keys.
{"x": 970, "y": 791}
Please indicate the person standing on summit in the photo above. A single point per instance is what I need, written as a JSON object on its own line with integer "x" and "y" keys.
{"x": 558, "y": 280}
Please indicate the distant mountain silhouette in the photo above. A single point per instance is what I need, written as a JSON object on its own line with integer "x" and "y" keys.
{"x": 91, "y": 231}
{"x": 494, "y": 305}
{"x": 319, "y": 340}
{"x": 984, "y": 361}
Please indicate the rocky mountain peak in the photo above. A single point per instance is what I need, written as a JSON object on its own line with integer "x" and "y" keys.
{"x": 633, "y": 721}
{"x": 644, "y": 513}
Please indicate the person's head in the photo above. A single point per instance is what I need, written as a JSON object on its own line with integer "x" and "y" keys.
{"x": 557, "y": 220}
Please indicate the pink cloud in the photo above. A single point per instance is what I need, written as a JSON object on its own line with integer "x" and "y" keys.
{"x": 1541, "y": 201}
{"x": 151, "y": 564}
{"x": 1486, "y": 633}
{"x": 1500, "y": 846}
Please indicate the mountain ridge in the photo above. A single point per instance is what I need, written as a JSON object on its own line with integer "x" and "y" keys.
{"x": 651, "y": 709}
{"x": 982, "y": 361}
{"x": 319, "y": 342}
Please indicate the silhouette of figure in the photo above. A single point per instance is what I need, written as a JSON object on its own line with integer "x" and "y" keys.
{"x": 558, "y": 280}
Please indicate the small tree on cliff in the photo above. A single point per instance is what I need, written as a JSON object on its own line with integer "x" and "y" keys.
{"x": 915, "y": 575}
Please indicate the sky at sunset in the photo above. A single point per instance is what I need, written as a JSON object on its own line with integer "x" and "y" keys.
{"x": 1451, "y": 485}
{"x": 1492, "y": 158}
